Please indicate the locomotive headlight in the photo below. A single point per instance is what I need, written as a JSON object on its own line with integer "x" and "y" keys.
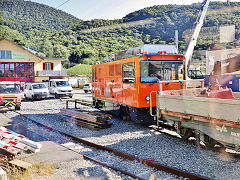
{"x": 147, "y": 98}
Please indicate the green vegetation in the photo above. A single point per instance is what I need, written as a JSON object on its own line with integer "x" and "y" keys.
{"x": 55, "y": 33}
{"x": 83, "y": 69}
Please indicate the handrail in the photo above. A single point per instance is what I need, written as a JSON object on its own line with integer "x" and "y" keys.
{"x": 151, "y": 113}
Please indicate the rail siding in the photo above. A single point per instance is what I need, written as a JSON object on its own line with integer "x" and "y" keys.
{"x": 223, "y": 109}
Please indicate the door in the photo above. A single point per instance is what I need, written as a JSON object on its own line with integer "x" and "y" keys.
{"x": 93, "y": 81}
{"x": 129, "y": 83}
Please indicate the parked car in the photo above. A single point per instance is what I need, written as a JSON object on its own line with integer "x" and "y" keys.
{"x": 195, "y": 74}
{"x": 60, "y": 87}
{"x": 87, "y": 87}
{"x": 10, "y": 94}
{"x": 36, "y": 91}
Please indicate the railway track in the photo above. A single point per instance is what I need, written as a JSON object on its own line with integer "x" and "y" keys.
{"x": 221, "y": 150}
{"x": 126, "y": 156}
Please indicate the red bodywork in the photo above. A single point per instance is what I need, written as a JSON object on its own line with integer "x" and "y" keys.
{"x": 108, "y": 81}
{"x": 10, "y": 97}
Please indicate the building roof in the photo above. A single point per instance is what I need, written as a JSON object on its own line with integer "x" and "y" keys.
{"x": 20, "y": 47}
{"x": 31, "y": 51}
{"x": 60, "y": 59}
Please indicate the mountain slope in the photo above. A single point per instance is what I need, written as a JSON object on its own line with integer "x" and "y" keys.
{"x": 26, "y": 15}
{"x": 51, "y": 31}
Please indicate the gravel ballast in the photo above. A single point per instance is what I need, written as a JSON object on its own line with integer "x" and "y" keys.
{"x": 128, "y": 137}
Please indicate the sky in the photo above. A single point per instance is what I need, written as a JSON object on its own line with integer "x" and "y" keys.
{"x": 108, "y": 9}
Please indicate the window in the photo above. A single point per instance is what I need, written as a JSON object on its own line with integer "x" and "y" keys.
{"x": 5, "y": 55}
{"x": 1, "y": 70}
{"x": 7, "y": 70}
{"x": 62, "y": 83}
{"x": 9, "y": 88}
{"x": 12, "y": 70}
{"x": 129, "y": 72}
{"x": 47, "y": 66}
{"x": 152, "y": 71}
{"x": 21, "y": 70}
{"x": 16, "y": 70}
{"x": 26, "y": 70}
{"x": 31, "y": 70}
{"x": 39, "y": 86}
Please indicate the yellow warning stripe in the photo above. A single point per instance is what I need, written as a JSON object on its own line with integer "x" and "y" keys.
{"x": 10, "y": 103}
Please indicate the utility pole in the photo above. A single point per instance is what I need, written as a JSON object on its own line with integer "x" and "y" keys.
{"x": 176, "y": 40}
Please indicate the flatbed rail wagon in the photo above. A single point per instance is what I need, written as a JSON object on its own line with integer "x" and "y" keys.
{"x": 211, "y": 116}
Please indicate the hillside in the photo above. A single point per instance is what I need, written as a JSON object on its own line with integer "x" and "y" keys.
{"x": 26, "y": 16}
{"x": 58, "y": 34}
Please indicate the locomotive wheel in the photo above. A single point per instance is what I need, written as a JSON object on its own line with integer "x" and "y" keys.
{"x": 124, "y": 113}
{"x": 185, "y": 133}
{"x": 97, "y": 104}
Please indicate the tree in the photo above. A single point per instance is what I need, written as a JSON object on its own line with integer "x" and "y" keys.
{"x": 47, "y": 48}
{"x": 60, "y": 51}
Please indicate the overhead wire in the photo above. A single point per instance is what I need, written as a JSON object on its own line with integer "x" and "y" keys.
{"x": 62, "y": 4}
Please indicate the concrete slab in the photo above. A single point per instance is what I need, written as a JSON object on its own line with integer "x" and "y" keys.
{"x": 4, "y": 121}
{"x": 51, "y": 152}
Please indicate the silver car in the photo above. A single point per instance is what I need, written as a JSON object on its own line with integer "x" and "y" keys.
{"x": 87, "y": 87}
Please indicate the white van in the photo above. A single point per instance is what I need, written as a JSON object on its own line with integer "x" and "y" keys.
{"x": 60, "y": 87}
{"x": 36, "y": 91}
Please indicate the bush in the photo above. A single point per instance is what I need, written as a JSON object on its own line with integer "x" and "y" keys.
{"x": 80, "y": 69}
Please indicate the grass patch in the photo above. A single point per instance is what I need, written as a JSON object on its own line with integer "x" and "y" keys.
{"x": 39, "y": 169}
{"x": 44, "y": 169}
{"x": 80, "y": 69}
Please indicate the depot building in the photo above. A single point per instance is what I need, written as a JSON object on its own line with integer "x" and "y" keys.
{"x": 20, "y": 64}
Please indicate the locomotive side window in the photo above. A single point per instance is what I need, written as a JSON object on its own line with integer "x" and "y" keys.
{"x": 129, "y": 72}
{"x": 152, "y": 71}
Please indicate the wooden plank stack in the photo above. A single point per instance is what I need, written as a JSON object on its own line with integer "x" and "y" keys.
{"x": 91, "y": 120}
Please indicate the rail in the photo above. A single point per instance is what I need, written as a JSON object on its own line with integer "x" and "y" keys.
{"x": 127, "y": 156}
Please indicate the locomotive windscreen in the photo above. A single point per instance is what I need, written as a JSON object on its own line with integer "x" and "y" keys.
{"x": 152, "y": 71}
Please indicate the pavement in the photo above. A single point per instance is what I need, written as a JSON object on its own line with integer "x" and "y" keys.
{"x": 4, "y": 121}
{"x": 80, "y": 94}
{"x": 50, "y": 151}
